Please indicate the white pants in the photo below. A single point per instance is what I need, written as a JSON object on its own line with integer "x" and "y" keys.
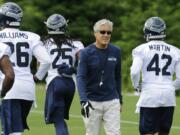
{"x": 106, "y": 113}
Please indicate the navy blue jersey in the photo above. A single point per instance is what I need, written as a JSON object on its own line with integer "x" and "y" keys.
{"x": 99, "y": 74}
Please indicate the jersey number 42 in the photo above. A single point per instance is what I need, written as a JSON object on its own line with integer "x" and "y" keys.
{"x": 154, "y": 64}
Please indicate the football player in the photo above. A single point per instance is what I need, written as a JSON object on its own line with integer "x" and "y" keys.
{"x": 60, "y": 85}
{"x": 158, "y": 61}
{"x": 18, "y": 101}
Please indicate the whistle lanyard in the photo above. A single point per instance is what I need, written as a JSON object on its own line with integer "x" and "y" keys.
{"x": 102, "y": 70}
{"x": 102, "y": 78}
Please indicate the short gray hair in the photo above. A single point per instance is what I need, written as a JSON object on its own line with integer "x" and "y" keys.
{"x": 97, "y": 25}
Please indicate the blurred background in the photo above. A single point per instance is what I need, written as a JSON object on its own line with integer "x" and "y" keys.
{"x": 128, "y": 17}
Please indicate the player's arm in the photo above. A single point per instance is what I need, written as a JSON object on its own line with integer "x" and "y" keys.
{"x": 79, "y": 46}
{"x": 44, "y": 60}
{"x": 135, "y": 70}
{"x": 7, "y": 69}
{"x": 176, "y": 82}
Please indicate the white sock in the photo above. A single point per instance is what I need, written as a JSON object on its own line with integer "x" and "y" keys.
{"x": 15, "y": 133}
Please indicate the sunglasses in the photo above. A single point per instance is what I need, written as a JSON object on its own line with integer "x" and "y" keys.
{"x": 105, "y": 32}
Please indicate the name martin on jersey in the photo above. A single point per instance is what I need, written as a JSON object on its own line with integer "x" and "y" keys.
{"x": 159, "y": 47}
{"x": 13, "y": 35}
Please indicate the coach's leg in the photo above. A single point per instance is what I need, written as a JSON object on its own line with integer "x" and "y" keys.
{"x": 93, "y": 123}
{"x": 112, "y": 117}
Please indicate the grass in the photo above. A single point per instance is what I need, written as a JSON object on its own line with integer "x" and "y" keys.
{"x": 129, "y": 120}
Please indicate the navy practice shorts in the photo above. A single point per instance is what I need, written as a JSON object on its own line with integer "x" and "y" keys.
{"x": 154, "y": 120}
{"x": 14, "y": 114}
{"x": 59, "y": 96}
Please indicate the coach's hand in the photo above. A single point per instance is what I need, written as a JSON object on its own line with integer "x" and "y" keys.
{"x": 85, "y": 108}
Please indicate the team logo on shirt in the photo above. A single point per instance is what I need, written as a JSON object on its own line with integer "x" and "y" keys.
{"x": 112, "y": 59}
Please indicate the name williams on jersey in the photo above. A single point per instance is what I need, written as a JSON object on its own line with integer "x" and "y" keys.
{"x": 13, "y": 35}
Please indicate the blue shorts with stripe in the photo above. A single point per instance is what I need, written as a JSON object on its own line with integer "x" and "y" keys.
{"x": 59, "y": 96}
{"x": 154, "y": 120}
{"x": 14, "y": 113}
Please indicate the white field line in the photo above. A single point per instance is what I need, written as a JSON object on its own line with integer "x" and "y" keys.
{"x": 122, "y": 121}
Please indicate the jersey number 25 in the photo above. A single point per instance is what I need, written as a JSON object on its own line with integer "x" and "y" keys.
{"x": 61, "y": 53}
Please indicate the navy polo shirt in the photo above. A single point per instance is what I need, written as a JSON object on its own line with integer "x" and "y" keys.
{"x": 99, "y": 66}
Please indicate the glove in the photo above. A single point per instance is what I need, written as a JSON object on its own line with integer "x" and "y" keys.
{"x": 138, "y": 88}
{"x": 64, "y": 69}
{"x": 85, "y": 108}
{"x": 35, "y": 79}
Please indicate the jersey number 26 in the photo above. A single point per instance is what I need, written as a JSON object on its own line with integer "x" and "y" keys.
{"x": 22, "y": 57}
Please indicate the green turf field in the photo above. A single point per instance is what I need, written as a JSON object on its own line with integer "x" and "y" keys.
{"x": 129, "y": 120}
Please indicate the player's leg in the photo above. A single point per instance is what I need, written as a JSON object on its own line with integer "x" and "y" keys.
{"x": 64, "y": 89}
{"x": 69, "y": 95}
{"x": 161, "y": 133}
{"x": 0, "y": 113}
{"x": 93, "y": 123}
{"x": 49, "y": 106}
{"x": 111, "y": 117}
{"x": 51, "y": 102}
{"x": 166, "y": 120}
{"x": 26, "y": 106}
{"x": 149, "y": 120}
{"x": 60, "y": 124}
{"x": 11, "y": 117}
{"x": 55, "y": 104}
{"x": 0, "y": 109}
